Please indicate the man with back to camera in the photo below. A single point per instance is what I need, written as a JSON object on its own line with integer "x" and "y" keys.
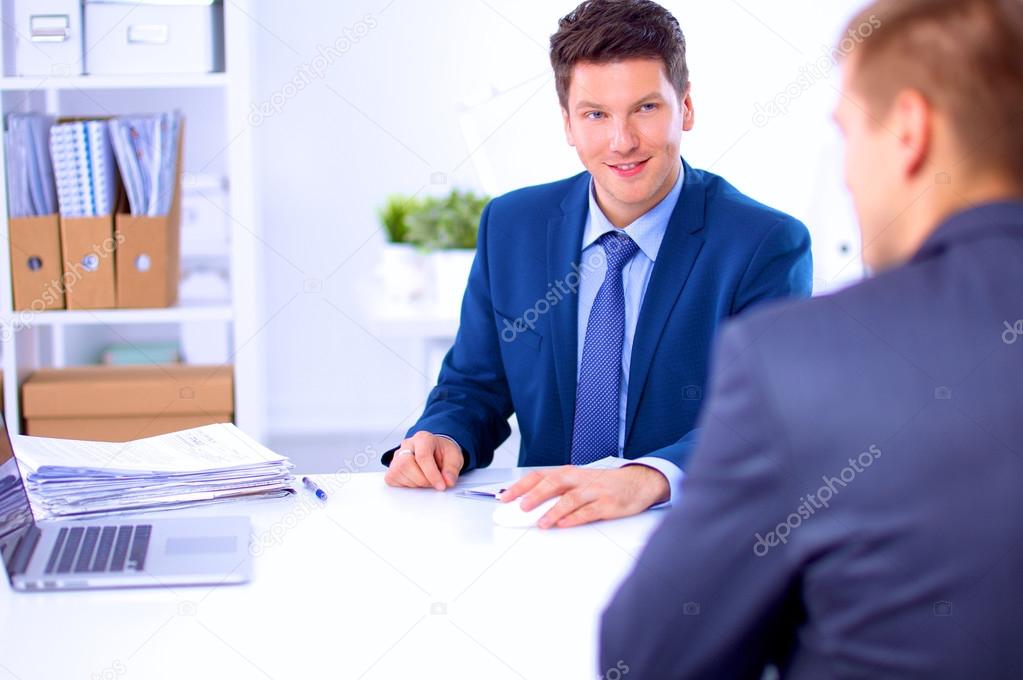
{"x": 853, "y": 508}
{"x": 592, "y": 301}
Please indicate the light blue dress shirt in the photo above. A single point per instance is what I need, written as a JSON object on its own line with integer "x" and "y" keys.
{"x": 648, "y": 232}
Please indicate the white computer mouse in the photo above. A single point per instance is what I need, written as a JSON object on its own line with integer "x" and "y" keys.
{"x": 511, "y": 515}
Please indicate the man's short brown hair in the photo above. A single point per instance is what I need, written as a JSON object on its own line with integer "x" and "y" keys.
{"x": 964, "y": 56}
{"x": 604, "y": 31}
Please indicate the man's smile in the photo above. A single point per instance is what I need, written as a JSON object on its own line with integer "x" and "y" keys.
{"x": 628, "y": 169}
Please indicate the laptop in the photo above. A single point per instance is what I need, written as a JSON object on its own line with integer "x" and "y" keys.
{"x": 113, "y": 552}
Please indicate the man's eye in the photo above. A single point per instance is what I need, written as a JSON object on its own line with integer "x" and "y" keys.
{"x": 594, "y": 115}
{"x": 648, "y": 107}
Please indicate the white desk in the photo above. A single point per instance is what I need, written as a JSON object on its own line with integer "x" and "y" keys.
{"x": 375, "y": 583}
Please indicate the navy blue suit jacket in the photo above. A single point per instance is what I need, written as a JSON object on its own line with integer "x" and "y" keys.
{"x": 516, "y": 350}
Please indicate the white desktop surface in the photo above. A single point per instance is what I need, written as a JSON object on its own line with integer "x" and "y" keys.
{"x": 374, "y": 583}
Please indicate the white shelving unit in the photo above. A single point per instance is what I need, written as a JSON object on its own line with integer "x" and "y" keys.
{"x": 113, "y": 317}
{"x": 215, "y": 106}
{"x": 156, "y": 81}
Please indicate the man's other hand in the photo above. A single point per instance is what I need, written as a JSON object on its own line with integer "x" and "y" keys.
{"x": 588, "y": 495}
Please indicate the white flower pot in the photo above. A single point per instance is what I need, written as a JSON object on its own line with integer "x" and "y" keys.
{"x": 450, "y": 269}
{"x": 402, "y": 276}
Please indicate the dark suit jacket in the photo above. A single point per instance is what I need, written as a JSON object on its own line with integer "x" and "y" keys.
{"x": 515, "y": 350}
{"x": 898, "y": 406}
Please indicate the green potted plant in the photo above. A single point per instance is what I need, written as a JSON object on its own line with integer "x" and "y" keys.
{"x": 394, "y": 216}
{"x": 445, "y": 223}
{"x": 443, "y": 229}
{"x": 402, "y": 269}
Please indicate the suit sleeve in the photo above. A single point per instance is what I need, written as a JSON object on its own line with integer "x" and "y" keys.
{"x": 704, "y": 597}
{"x": 471, "y": 403}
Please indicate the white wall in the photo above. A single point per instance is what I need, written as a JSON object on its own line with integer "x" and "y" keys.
{"x": 387, "y": 113}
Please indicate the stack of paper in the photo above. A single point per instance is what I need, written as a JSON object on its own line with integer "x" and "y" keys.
{"x": 30, "y": 187}
{"x": 83, "y": 163}
{"x": 68, "y": 478}
{"x": 146, "y": 148}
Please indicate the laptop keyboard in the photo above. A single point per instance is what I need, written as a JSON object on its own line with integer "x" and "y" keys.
{"x": 99, "y": 549}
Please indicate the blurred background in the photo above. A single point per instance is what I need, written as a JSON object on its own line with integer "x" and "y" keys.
{"x": 464, "y": 89}
{"x": 327, "y": 110}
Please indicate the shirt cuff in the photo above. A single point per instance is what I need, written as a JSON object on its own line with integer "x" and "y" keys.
{"x": 672, "y": 472}
{"x": 450, "y": 439}
{"x": 384, "y": 459}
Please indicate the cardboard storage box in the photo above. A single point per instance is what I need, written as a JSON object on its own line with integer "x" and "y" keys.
{"x": 154, "y": 36}
{"x": 88, "y": 247}
{"x": 149, "y": 251}
{"x": 36, "y": 269}
{"x": 120, "y": 403}
{"x": 117, "y": 429}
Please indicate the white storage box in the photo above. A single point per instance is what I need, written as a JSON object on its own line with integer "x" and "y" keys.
{"x": 205, "y": 227}
{"x": 153, "y": 36}
{"x": 46, "y": 36}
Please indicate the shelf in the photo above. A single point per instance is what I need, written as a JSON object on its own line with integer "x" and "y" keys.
{"x": 109, "y": 317}
{"x": 114, "y": 82}
{"x": 30, "y": 339}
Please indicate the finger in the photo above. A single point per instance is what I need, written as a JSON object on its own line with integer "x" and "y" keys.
{"x": 591, "y": 512}
{"x": 522, "y": 486}
{"x": 405, "y": 475}
{"x": 555, "y": 483}
{"x": 405, "y": 472}
{"x": 424, "y": 447}
{"x": 404, "y": 449}
{"x": 396, "y": 476}
{"x": 391, "y": 476}
{"x": 569, "y": 503}
{"x": 451, "y": 462}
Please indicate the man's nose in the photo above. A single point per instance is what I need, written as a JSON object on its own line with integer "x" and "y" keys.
{"x": 623, "y": 138}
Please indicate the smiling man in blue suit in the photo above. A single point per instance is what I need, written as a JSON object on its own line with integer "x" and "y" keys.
{"x": 593, "y": 302}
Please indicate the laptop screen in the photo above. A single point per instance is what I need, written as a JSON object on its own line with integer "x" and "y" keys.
{"x": 15, "y": 512}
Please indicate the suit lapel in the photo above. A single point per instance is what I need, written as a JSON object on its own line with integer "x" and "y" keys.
{"x": 564, "y": 238}
{"x": 675, "y": 259}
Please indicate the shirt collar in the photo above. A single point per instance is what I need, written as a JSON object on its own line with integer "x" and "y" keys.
{"x": 647, "y": 230}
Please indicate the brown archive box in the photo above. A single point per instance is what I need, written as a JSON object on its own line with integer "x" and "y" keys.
{"x": 149, "y": 251}
{"x": 123, "y": 429}
{"x": 88, "y": 245}
{"x": 120, "y": 403}
{"x": 36, "y": 263}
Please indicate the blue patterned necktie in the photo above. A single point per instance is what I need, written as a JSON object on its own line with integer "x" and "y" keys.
{"x": 595, "y": 431}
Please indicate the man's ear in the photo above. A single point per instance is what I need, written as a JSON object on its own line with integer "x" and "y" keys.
{"x": 912, "y": 122}
{"x": 567, "y": 120}
{"x": 688, "y": 113}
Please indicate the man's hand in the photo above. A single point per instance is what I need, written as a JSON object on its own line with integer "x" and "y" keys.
{"x": 589, "y": 495}
{"x": 425, "y": 460}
